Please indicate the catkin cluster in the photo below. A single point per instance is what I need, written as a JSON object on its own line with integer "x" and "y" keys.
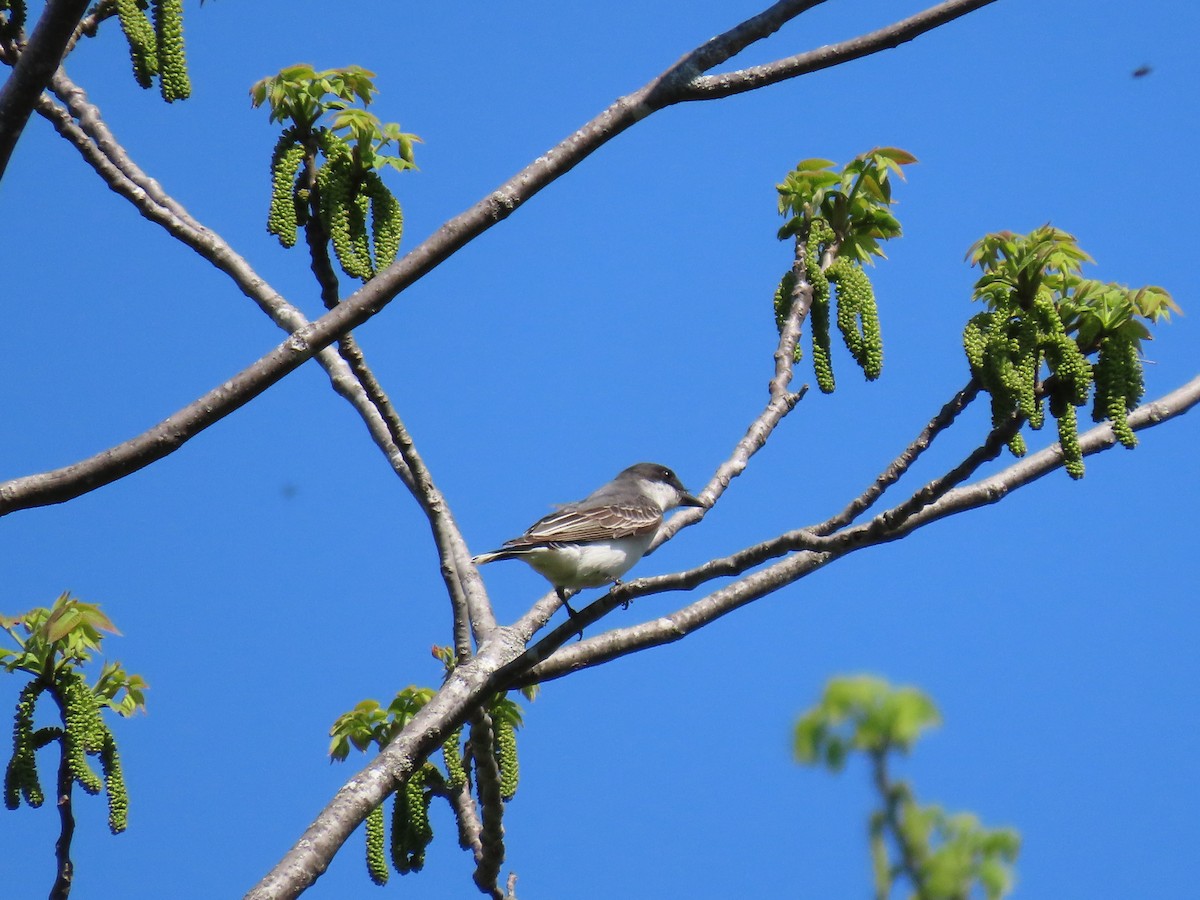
{"x": 857, "y": 315}
{"x": 1006, "y": 347}
{"x": 349, "y": 195}
{"x": 84, "y": 734}
{"x": 411, "y": 832}
{"x": 156, "y": 48}
{"x": 489, "y": 760}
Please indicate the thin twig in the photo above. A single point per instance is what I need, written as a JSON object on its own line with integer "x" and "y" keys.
{"x": 902, "y": 463}
{"x": 710, "y": 87}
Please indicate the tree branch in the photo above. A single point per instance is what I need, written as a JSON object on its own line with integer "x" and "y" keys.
{"x": 64, "y": 868}
{"x": 902, "y": 463}
{"x": 811, "y": 552}
{"x": 712, "y": 87}
{"x": 63, "y": 484}
{"x": 468, "y": 686}
{"x": 33, "y": 68}
{"x": 350, "y": 377}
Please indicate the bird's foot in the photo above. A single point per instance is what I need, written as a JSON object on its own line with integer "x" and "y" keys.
{"x": 618, "y": 583}
{"x": 574, "y": 616}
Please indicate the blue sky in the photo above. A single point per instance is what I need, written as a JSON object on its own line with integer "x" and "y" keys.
{"x": 273, "y": 572}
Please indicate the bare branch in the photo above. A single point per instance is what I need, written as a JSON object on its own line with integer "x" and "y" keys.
{"x": 781, "y": 403}
{"x": 31, "y": 73}
{"x": 816, "y": 551}
{"x": 901, "y": 464}
{"x": 71, "y": 481}
{"x": 351, "y": 378}
{"x": 711, "y": 87}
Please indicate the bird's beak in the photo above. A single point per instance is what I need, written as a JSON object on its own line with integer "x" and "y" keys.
{"x": 688, "y": 500}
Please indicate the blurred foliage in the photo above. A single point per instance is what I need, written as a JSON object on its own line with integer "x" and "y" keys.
{"x": 940, "y": 856}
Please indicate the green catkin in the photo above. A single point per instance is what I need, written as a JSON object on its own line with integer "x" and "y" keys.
{"x": 401, "y": 840}
{"x": 411, "y": 831}
{"x": 1029, "y": 361}
{"x": 1113, "y": 379}
{"x": 335, "y": 179}
{"x": 20, "y": 776}
{"x": 173, "y": 80}
{"x": 505, "y": 747}
{"x": 114, "y": 785}
{"x": 84, "y": 731}
{"x": 1071, "y": 367}
{"x": 1068, "y": 439}
{"x": 783, "y": 307}
{"x": 140, "y": 36}
{"x": 1135, "y": 385}
{"x": 975, "y": 341}
{"x": 285, "y": 161}
{"x": 858, "y": 316}
{"x": 376, "y": 860}
{"x": 819, "y": 233}
{"x": 456, "y": 775}
{"x": 358, "y": 209}
{"x": 387, "y": 221}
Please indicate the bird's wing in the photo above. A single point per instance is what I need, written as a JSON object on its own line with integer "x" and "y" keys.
{"x": 575, "y": 523}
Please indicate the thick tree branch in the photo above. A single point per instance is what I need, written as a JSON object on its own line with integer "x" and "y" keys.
{"x": 70, "y": 481}
{"x": 466, "y": 689}
{"x": 350, "y": 377}
{"x": 31, "y": 73}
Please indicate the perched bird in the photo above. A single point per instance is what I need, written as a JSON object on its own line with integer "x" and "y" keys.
{"x": 596, "y": 540}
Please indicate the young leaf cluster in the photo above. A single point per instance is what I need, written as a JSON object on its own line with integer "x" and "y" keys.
{"x": 52, "y": 645}
{"x": 325, "y": 165}
{"x": 1044, "y": 318}
{"x": 943, "y": 856}
{"x": 837, "y": 220}
{"x": 154, "y": 31}
{"x": 369, "y": 724}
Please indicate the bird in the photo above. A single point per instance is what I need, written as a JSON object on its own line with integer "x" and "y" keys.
{"x": 596, "y": 540}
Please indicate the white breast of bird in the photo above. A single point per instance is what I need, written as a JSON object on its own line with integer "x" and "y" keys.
{"x": 593, "y": 564}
